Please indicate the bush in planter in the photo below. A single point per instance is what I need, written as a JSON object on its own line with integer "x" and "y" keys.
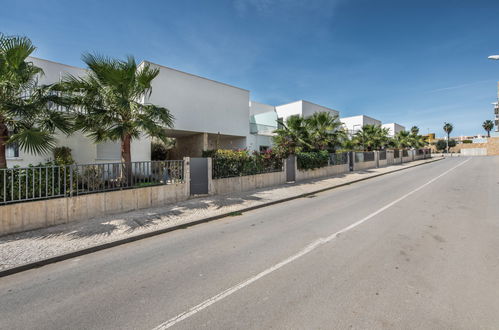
{"x": 312, "y": 160}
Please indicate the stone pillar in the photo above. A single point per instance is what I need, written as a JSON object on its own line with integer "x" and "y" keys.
{"x": 187, "y": 175}
{"x": 211, "y": 188}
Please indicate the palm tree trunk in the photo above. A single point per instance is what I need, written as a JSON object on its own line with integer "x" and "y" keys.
{"x": 126, "y": 158}
{"x": 448, "y": 138}
{"x": 4, "y": 135}
{"x": 488, "y": 133}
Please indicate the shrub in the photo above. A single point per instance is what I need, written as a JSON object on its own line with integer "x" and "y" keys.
{"x": 467, "y": 141}
{"x": 311, "y": 160}
{"x": 62, "y": 156}
{"x": 441, "y": 145}
{"x": 231, "y": 163}
{"x": 158, "y": 151}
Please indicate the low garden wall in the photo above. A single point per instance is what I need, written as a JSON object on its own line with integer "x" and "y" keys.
{"x": 43, "y": 213}
{"x": 321, "y": 172}
{"x": 246, "y": 183}
{"x": 364, "y": 165}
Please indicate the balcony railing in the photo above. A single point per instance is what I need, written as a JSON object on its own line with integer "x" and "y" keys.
{"x": 262, "y": 129}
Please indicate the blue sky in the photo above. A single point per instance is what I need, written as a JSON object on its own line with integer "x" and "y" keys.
{"x": 413, "y": 62}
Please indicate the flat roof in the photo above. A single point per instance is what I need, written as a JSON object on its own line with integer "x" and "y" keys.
{"x": 193, "y": 75}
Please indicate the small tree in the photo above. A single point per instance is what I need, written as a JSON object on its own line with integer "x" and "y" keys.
{"x": 28, "y": 115}
{"x": 448, "y": 129}
{"x": 107, "y": 102}
{"x": 372, "y": 137}
{"x": 441, "y": 145}
{"x": 488, "y": 125}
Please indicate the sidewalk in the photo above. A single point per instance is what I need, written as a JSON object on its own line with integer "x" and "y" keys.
{"x": 57, "y": 242}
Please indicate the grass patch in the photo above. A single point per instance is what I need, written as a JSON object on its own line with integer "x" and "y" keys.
{"x": 235, "y": 214}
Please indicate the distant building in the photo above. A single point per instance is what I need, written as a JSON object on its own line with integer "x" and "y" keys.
{"x": 355, "y": 123}
{"x": 393, "y": 128}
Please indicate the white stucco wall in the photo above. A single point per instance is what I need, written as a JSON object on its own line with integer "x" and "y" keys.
{"x": 355, "y": 123}
{"x": 200, "y": 104}
{"x": 290, "y": 109}
{"x": 302, "y": 108}
{"x": 393, "y": 128}
{"x": 309, "y": 109}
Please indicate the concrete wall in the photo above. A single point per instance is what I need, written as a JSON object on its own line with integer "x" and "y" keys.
{"x": 309, "y": 108}
{"x": 474, "y": 152}
{"x": 364, "y": 165}
{"x": 254, "y": 141}
{"x": 290, "y": 109}
{"x": 84, "y": 151}
{"x": 393, "y": 128}
{"x": 245, "y": 183}
{"x": 355, "y": 123}
{"x": 322, "y": 172}
{"x": 200, "y": 104}
{"x": 302, "y": 108}
{"x": 492, "y": 146}
{"x": 38, "y": 214}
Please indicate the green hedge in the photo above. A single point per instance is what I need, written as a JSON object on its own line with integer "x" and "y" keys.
{"x": 232, "y": 163}
{"x": 312, "y": 160}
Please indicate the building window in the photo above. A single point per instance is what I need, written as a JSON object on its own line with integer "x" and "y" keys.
{"x": 12, "y": 150}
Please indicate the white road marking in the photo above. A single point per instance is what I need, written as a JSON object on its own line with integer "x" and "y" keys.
{"x": 312, "y": 246}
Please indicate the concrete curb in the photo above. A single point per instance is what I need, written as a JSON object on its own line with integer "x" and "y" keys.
{"x": 93, "y": 249}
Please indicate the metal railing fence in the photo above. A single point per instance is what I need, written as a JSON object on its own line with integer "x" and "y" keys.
{"x": 364, "y": 156}
{"x": 338, "y": 158}
{"x": 405, "y": 153}
{"x": 42, "y": 182}
{"x": 382, "y": 155}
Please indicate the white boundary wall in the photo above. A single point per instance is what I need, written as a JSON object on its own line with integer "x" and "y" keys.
{"x": 245, "y": 183}
{"x": 321, "y": 172}
{"x": 474, "y": 151}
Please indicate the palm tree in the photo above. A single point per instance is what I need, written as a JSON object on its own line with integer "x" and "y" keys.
{"x": 325, "y": 131}
{"x": 28, "y": 115}
{"x": 448, "y": 129}
{"x": 292, "y": 136}
{"x": 403, "y": 139}
{"x": 488, "y": 125}
{"x": 372, "y": 137}
{"x": 107, "y": 102}
{"x": 415, "y": 130}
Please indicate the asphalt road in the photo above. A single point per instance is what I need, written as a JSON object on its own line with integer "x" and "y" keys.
{"x": 414, "y": 249}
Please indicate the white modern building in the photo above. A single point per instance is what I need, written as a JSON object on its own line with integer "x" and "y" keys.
{"x": 393, "y": 128}
{"x": 84, "y": 151}
{"x": 207, "y": 115}
{"x": 301, "y": 108}
{"x": 355, "y": 123}
{"x": 263, "y": 123}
